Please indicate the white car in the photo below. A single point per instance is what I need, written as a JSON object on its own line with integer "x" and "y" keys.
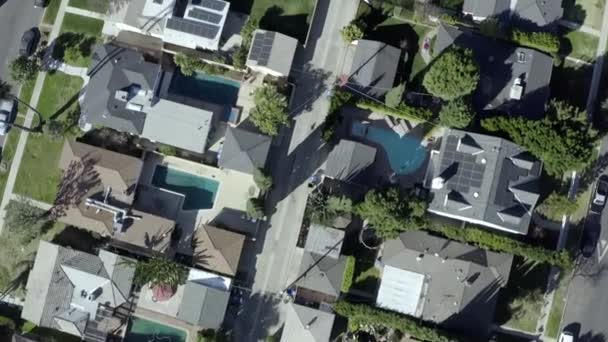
{"x": 566, "y": 337}
{"x": 6, "y": 111}
{"x": 601, "y": 192}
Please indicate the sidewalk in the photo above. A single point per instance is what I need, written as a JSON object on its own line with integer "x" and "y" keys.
{"x": 579, "y": 27}
{"x": 29, "y": 117}
{"x": 85, "y": 13}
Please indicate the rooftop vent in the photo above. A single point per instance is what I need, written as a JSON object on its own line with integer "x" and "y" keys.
{"x": 419, "y": 257}
{"x": 438, "y": 183}
{"x": 311, "y": 322}
{"x": 521, "y": 57}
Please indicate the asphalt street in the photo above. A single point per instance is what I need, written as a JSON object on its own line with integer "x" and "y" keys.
{"x": 16, "y": 17}
{"x": 586, "y": 312}
{"x": 299, "y": 156}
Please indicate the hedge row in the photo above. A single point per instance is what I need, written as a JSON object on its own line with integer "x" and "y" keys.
{"x": 403, "y": 111}
{"x": 362, "y": 315}
{"x": 349, "y": 273}
{"x": 499, "y": 243}
{"x": 542, "y": 41}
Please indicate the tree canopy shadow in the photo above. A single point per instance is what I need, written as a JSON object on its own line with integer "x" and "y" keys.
{"x": 78, "y": 179}
{"x": 275, "y": 19}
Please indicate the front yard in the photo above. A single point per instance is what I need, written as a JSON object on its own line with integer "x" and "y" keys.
{"x": 38, "y": 175}
{"x": 582, "y": 45}
{"x": 77, "y": 36}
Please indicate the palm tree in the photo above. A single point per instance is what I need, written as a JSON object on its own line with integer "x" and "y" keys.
{"x": 159, "y": 271}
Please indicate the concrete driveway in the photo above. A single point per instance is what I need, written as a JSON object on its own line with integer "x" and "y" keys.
{"x": 16, "y": 16}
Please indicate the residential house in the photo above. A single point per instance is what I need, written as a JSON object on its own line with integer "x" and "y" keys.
{"x": 442, "y": 281}
{"x": 217, "y": 250}
{"x": 194, "y": 24}
{"x": 305, "y": 324}
{"x": 322, "y": 267}
{"x": 483, "y": 180}
{"x": 513, "y": 79}
{"x": 531, "y": 15}
{"x": 200, "y": 303}
{"x": 374, "y": 67}
{"x": 271, "y": 53}
{"x": 244, "y": 151}
{"x": 350, "y": 161}
{"x": 97, "y": 193}
{"x": 76, "y": 292}
{"x": 131, "y": 95}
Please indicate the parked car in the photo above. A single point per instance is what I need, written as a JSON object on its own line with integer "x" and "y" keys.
{"x": 566, "y": 337}
{"x": 601, "y": 191}
{"x": 29, "y": 40}
{"x": 591, "y": 235}
{"x": 7, "y": 108}
{"x": 41, "y": 3}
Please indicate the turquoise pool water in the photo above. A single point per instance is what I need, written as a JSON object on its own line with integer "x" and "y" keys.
{"x": 200, "y": 192}
{"x": 142, "y": 330}
{"x": 405, "y": 154}
{"x": 209, "y": 88}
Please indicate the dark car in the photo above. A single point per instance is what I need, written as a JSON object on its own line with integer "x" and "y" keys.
{"x": 41, "y": 3}
{"x": 591, "y": 235}
{"x": 29, "y": 40}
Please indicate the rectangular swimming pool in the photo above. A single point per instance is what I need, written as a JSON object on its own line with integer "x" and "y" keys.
{"x": 142, "y": 330}
{"x": 208, "y": 88}
{"x": 200, "y": 192}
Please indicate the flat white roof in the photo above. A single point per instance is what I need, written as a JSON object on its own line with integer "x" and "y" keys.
{"x": 400, "y": 290}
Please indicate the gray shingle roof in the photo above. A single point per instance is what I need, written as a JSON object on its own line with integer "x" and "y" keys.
{"x": 374, "y": 67}
{"x": 349, "y": 159}
{"x": 321, "y": 240}
{"x": 527, "y": 14}
{"x": 502, "y": 65}
{"x": 114, "y": 68}
{"x": 485, "y": 185}
{"x": 323, "y": 275}
{"x": 244, "y": 151}
{"x": 203, "y": 306}
{"x": 486, "y": 8}
{"x": 304, "y": 324}
{"x": 461, "y": 280}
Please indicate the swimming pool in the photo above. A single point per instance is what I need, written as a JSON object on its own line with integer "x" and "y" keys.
{"x": 405, "y": 154}
{"x": 209, "y": 88}
{"x": 200, "y": 192}
{"x": 142, "y": 330}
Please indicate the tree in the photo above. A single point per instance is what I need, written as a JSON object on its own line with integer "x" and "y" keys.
{"x": 270, "y": 111}
{"x": 393, "y": 97}
{"x": 391, "y": 213}
{"x": 262, "y": 180}
{"x": 255, "y": 208}
{"x": 239, "y": 59}
{"x": 352, "y": 32}
{"x": 23, "y": 219}
{"x": 456, "y": 113}
{"x": 563, "y": 140}
{"x": 187, "y": 64}
{"x": 23, "y": 69}
{"x": 54, "y": 129}
{"x": 490, "y": 27}
{"x": 453, "y": 74}
{"x": 556, "y": 205}
{"x": 159, "y": 271}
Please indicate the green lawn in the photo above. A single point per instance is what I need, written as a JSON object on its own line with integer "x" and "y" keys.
{"x": 520, "y": 303}
{"x": 99, "y": 6}
{"x": 584, "y": 45}
{"x": 39, "y": 176}
{"x": 79, "y": 24}
{"x": 589, "y": 12}
{"x": 290, "y": 17}
{"x": 418, "y": 64}
{"x": 557, "y": 309}
{"x": 9, "y": 151}
{"x": 25, "y": 94}
{"x": 50, "y": 12}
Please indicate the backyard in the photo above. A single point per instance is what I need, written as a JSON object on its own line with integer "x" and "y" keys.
{"x": 286, "y": 16}
{"x": 520, "y": 303}
{"x": 99, "y": 6}
{"x": 587, "y": 12}
{"x": 38, "y": 175}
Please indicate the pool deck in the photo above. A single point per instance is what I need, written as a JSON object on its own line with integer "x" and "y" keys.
{"x": 230, "y": 204}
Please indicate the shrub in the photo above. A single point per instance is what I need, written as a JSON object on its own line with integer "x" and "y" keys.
{"x": 364, "y": 315}
{"x": 23, "y": 69}
{"x": 255, "y": 209}
{"x": 270, "y": 111}
{"x": 456, "y": 113}
{"x": 543, "y": 41}
{"x": 349, "y": 273}
{"x": 262, "y": 180}
{"x": 394, "y": 96}
{"x": 351, "y": 32}
{"x": 7, "y": 323}
{"x": 555, "y": 206}
{"x": 453, "y": 74}
{"x": 167, "y": 150}
{"x": 22, "y": 220}
{"x": 402, "y": 111}
{"x": 239, "y": 59}
{"x": 160, "y": 271}
{"x": 188, "y": 65}
{"x": 54, "y": 129}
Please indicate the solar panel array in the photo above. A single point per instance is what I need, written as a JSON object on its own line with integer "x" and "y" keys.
{"x": 203, "y": 15}
{"x": 261, "y": 47}
{"x": 193, "y": 27}
{"x": 469, "y": 173}
{"x": 213, "y": 4}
